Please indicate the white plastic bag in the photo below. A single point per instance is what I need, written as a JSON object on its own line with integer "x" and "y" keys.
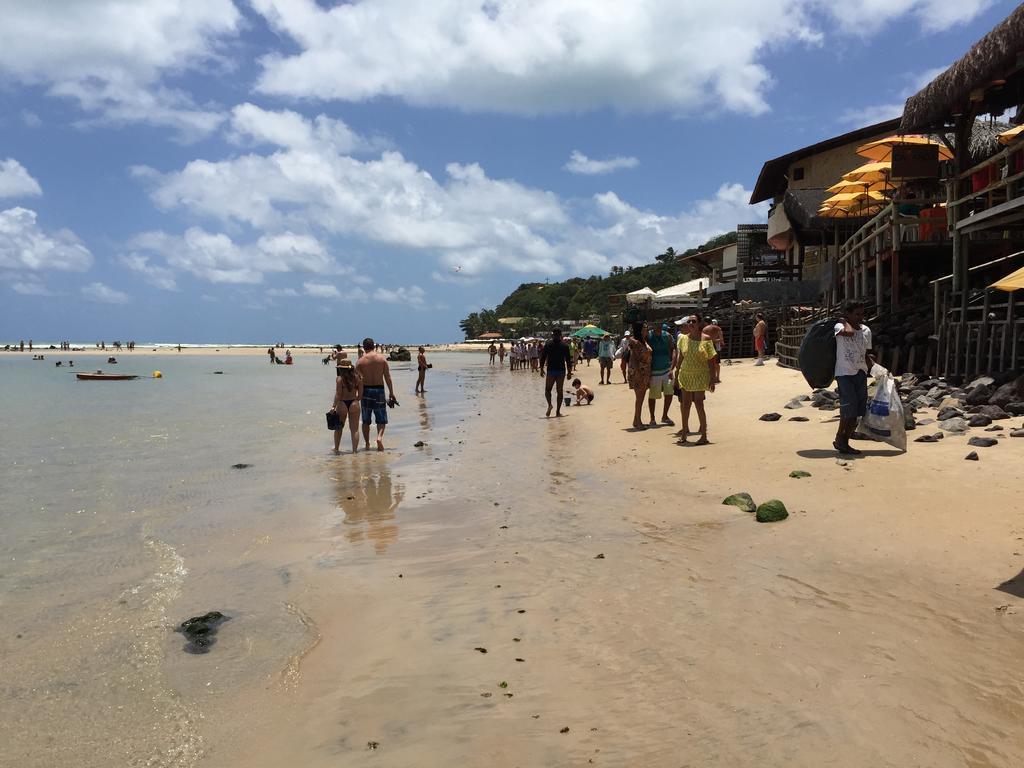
{"x": 884, "y": 419}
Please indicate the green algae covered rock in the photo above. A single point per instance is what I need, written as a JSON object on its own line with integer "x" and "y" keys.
{"x": 742, "y": 501}
{"x": 799, "y": 473}
{"x": 771, "y": 512}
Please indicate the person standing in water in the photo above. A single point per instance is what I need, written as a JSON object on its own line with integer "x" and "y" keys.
{"x": 348, "y": 391}
{"x": 421, "y": 372}
{"x": 492, "y": 351}
{"x": 557, "y": 358}
{"x": 501, "y": 354}
{"x": 375, "y": 373}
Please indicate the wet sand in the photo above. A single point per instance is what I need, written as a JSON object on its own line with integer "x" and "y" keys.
{"x": 868, "y": 629}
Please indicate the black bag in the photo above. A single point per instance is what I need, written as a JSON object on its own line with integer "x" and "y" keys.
{"x": 333, "y": 420}
{"x": 817, "y": 356}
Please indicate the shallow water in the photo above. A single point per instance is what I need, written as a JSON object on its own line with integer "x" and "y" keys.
{"x": 123, "y": 516}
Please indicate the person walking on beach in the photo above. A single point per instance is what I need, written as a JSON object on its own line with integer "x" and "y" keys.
{"x": 348, "y": 391}
{"x": 605, "y": 356}
{"x": 492, "y": 351}
{"x": 337, "y": 355}
{"x": 421, "y": 371}
{"x": 694, "y": 367}
{"x": 760, "y": 338}
{"x": 557, "y": 358}
{"x": 375, "y": 374}
{"x": 854, "y": 357}
{"x": 639, "y": 369}
{"x": 663, "y": 361}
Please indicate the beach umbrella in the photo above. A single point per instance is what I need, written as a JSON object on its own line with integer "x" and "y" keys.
{"x": 1010, "y": 136}
{"x": 490, "y": 335}
{"x": 877, "y": 171}
{"x": 839, "y": 212}
{"x": 845, "y": 185}
{"x": 843, "y": 198}
{"x": 881, "y": 149}
{"x": 589, "y": 331}
{"x": 1012, "y": 282}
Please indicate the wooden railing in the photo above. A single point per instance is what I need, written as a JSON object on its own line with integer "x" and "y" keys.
{"x": 992, "y": 186}
{"x": 883, "y": 236}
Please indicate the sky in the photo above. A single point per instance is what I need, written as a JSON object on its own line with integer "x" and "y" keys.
{"x": 248, "y": 171}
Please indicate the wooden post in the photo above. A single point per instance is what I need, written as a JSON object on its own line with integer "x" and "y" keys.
{"x": 910, "y": 358}
{"x": 878, "y": 280}
{"x": 935, "y": 308}
{"x": 983, "y": 331}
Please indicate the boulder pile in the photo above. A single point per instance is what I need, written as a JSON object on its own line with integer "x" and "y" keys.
{"x": 954, "y": 409}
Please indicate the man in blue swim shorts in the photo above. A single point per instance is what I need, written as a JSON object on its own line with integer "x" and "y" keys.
{"x": 373, "y": 368}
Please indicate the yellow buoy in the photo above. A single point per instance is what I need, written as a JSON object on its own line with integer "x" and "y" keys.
{"x": 157, "y": 375}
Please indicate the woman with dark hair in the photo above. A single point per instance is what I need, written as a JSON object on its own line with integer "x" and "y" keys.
{"x": 639, "y": 370}
{"x": 695, "y": 375}
{"x": 348, "y": 393}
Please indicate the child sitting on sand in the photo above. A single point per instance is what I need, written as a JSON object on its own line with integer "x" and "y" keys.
{"x": 582, "y": 392}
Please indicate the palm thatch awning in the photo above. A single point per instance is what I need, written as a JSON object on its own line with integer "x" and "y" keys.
{"x": 994, "y": 58}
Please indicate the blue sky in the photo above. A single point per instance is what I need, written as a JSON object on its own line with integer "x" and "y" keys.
{"x": 256, "y": 170}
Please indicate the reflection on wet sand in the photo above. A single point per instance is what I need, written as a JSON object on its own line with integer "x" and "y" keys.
{"x": 369, "y": 500}
{"x": 424, "y": 414}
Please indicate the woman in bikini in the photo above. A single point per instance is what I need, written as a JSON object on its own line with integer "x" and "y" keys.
{"x": 348, "y": 392}
{"x": 639, "y": 370}
{"x": 421, "y": 367}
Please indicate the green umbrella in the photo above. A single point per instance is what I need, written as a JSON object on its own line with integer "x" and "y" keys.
{"x": 589, "y": 331}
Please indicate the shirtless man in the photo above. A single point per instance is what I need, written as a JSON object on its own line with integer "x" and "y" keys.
{"x": 492, "y": 351}
{"x": 374, "y": 371}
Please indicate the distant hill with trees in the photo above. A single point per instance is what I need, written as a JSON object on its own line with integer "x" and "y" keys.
{"x": 581, "y": 297}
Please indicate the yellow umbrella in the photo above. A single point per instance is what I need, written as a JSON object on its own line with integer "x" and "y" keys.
{"x": 881, "y": 150}
{"x": 839, "y": 212}
{"x": 1011, "y": 282}
{"x": 849, "y": 197}
{"x": 845, "y": 185}
{"x": 878, "y": 171}
{"x": 1008, "y": 137}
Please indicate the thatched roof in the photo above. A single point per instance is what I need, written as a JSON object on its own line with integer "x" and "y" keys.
{"x": 994, "y": 57}
{"x": 772, "y": 179}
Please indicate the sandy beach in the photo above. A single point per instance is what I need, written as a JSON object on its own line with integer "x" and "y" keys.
{"x": 523, "y": 591}
{"x": 629, "y": 618}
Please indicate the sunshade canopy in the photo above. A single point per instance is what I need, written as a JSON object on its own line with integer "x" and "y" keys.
{"x": 590, "y": 331}
{"x": 1010, "y": 136}
{"x": 845, "y": 185}
{"x": 877, "y": 171}
{"x": 881, "y": 150}
{"x": 1011, "y": 282}
{"x": 852, "y": 197}
{"x": 490, "y": 335}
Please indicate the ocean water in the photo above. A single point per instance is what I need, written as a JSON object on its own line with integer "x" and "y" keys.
{"x": 122, "y": 516}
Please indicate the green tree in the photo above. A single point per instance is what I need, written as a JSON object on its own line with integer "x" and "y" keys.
{"x": 668, "y": 256}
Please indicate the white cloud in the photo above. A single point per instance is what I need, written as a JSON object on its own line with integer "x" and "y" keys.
{"x": 282, "y": 292}
{"x": 321, "y": 290}
{"x": 15, "y": 181}
{"x": 413, "y": 296}
{"x": 104, "y": 294}
{"x": 216, "y": 258}
{"x": 291, "y": 130}
{"x": 30, "y": 119}
{"x": 869, "y": 16}
{"x": 876, "y": 113}
{"x": 469, "y": 221}
{"x": 558, "y": 56}
{"x": 31, "y": 287}
{"x": 110, "y": 56}
{"x": 580, "y": 163}
{"x": 23, "y": 245}
{"x": 161, "y": 277}
{"x": 546, "y": 56}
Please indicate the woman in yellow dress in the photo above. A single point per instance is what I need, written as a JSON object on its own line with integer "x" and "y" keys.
{"x": 694, "y": 375}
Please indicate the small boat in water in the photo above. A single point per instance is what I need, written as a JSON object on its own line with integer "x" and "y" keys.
{"x": 101, "y": 376}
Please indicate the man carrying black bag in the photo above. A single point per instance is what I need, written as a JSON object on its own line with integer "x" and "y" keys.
{"x": 854, "y": 357}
